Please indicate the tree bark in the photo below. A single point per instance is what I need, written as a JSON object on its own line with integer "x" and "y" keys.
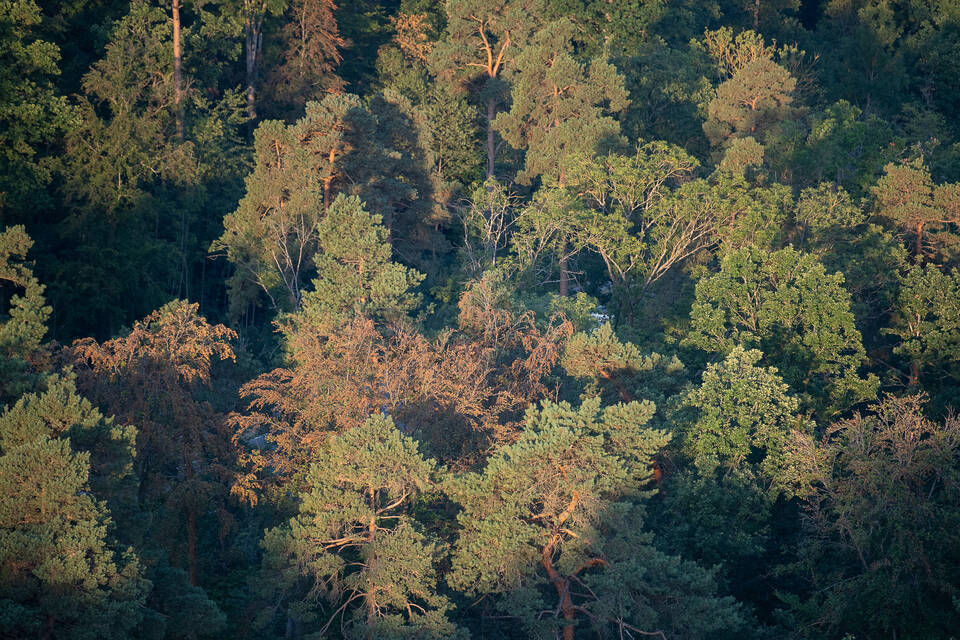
{"x": 177, "y": 70}
{"x": 253, "y": 28}
{"x": 491, "y": 148}
{"x": 562, "y": 585}
{"x": 918, "y": 244}
{"x": 564, "y": 274}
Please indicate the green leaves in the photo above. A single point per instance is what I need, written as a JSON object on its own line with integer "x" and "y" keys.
{"x": 560, "y": 105}
{"x": 785, "y": 304}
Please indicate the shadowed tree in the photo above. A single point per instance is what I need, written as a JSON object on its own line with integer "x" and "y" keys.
{"x": 879, "y": 491}
{"x": 483, "y": 41}
{"x": 149, "y": 378}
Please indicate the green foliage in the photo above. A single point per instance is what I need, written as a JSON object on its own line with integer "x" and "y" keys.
{"x": 32, "y": 114}
{"x": 786, "y": 305}
{"x": 355, "y": 275}
{"x": 927, "y": 321}
{"x": 529, "y": 520}
{"x": 560, "y": 105}
{"x": 744, "y": 415}
{"x": 879, "y": 490}
{"x": 60, "y": 573}
{"x": 357, "y": 543}
{"x": 616, "y": 371}
{"x": 751, "y": 103}
{"x": 25, "y": 322}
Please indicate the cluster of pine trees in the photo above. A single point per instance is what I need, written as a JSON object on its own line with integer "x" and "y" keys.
{"x": 494, "y": 319}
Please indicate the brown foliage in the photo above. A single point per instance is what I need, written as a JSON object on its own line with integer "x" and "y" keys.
{"x": 460, "y": 392}
{"x": 150, "y": 378}
{"x": 411, "y": 35}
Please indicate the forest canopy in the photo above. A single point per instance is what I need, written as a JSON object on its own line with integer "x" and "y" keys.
{"x": 500, "y": 319}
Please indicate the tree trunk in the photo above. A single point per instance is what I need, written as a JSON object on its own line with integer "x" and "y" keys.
{"x": 756, "y": 15}
{"x": 918, "y": 244}
{"x": 254, "y": 40}
{"x": 562, "y": 585}
{"x": 564, "y": 274}
{"x": 491, "y": 148}
{"x": 177, "y": 70}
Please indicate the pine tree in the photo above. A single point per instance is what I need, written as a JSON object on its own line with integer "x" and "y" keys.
{"x": 150, "y": 378}
{"x": 907, "y": 196}
{"x": 483, "y": 41}
{"x": 25, "y": 322}
{"x": 560, "y": 106}
{"x": 356, "y": 541}
{"x": 529, "y": 525}
{"x": 355, "y": 275}
{"x": 61, "y": 576}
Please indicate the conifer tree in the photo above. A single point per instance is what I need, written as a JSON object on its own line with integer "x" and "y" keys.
{"x": 61, "y": 575}
{"x": 150, "y": 378}
{"x": 32, "y": 114}
{"x": 25, "y": 322}
{"x": 529, "y": 525}
{"x": 907, "y": 196}
{"x": 357, "y": 544}
{"x": 561, "y": 106}
{"x": 355, "y": 275}
{"x": 483, "y": 41}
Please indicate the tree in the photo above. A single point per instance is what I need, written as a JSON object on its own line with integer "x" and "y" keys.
{"x": 927, "y": 320}
{"x": 458, "y": 392}
{"x": 311, "y": 45}
{"x": 616, "y": 371}
{"x": 484, "y": 39}
{"x": 61, "y": 573}
{"x": 750, "y": 103}
{"x": 25, "y": 321}
{"x": 252, "y": 13}
{"x": 149, "y": 378}
{"x": 560, "y": 106}
{"x": 907, "y": 197}
{"x": 357, "y": 543}
{"x": 878, "y": 490}
{"x": 355, "y": 275}
{"x": 744, "y": 416}
{"x": 786, "y": 305}
{"x": 32, "y": 114}
{"x": 338, "y": 146}
{"x": 529, "y": 524}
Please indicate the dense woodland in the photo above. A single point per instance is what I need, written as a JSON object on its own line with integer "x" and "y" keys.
{"x": 496, "y": 319}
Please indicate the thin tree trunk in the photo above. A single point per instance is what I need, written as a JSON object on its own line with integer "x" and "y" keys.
{"x": 254, "y": 41}
{"x": 491, "y": 148}
{"x": 562, "y": 585}
{"x": 564, "y": 274}
{"x": 177, "y": 70}
{"x": 918, "y": 244}
{"x": 756, "y": 15}
{"x": 191, "y": 531}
